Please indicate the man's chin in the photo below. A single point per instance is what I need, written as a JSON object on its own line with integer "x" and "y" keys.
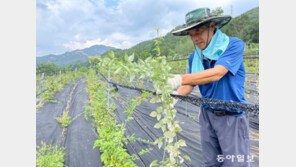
{"x": 201, "y": 47}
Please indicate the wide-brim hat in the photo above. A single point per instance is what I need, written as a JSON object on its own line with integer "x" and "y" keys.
{"x": 198, "y": 17}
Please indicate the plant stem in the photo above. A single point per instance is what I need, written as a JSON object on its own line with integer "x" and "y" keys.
{"x": 164, "y": 150}
{"x": 178, "y": 153}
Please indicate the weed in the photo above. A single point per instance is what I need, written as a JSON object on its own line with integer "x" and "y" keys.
{"x": 64, "y": 120}
{"x": 50, "y": 156}
{"x": 111, "y": 137}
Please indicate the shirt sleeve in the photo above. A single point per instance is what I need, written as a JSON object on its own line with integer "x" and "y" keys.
{"x": 232, "y": 58}
{"x": 190, "y": 64}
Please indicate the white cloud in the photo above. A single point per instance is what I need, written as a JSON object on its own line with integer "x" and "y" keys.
{"x": 67, "y": 24}
{"x": 116, "y": 40}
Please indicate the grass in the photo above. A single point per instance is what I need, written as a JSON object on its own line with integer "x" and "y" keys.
{"x": 251, "y": 65}
{"x": 64, "y": 120}
{"x": 111, "y": 138}
{"x": 178, "y": 66}
{"x": 53, "y": 84}
{"x": 50, "y": 156}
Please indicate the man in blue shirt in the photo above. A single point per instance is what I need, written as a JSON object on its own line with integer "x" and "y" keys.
{"x": 216, "y": 66}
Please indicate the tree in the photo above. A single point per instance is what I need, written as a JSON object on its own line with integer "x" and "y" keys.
{"x": 245, "y": 27}
{"x": 48, "y": 68}
{"x": 238, "y": 27}
{"x": 218, "y": 11}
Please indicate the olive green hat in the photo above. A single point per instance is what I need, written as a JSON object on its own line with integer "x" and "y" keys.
{"x": 198, "y": 17}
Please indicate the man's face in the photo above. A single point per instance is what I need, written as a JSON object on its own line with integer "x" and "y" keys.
{"x": 199, "y": 35}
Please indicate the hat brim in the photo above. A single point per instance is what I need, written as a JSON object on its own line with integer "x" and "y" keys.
{"x": 220, "y": 21}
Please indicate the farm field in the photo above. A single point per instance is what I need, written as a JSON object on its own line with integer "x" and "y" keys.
{"x": 118, "y": 113}
{"x": 106, "y": 86}
{"x": 79, "y": 136}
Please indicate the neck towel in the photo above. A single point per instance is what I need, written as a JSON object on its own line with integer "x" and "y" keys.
{"x": 214, "y": 50}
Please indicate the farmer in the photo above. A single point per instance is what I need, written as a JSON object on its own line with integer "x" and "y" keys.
{"x": 216, "y": 66}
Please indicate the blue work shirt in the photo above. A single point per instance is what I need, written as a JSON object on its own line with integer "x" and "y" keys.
{"x": 231, "y": 85}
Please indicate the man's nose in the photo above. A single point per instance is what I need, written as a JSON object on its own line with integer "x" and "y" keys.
{"x": 195, "y": 38}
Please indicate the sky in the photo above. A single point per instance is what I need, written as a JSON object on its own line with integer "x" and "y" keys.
{"x": 66, "y": 25}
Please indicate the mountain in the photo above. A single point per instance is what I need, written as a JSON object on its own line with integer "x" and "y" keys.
{"x": 245, "y": 27}
{"x": 253, "y": 13}
{"x": 73, "y": 56}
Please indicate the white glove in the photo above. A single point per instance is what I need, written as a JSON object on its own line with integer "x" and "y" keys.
{"x": 175, "y": 82}
{"x": 174, "y": 100}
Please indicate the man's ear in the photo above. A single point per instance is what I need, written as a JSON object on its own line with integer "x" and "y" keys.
{"x": 212, "y": 26}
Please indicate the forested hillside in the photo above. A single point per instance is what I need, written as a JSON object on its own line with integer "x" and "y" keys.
{"x": 73, "y": 57}
{"x": 245, "y": 27}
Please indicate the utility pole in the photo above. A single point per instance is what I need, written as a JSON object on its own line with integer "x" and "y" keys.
{"x": 231, "y": 10}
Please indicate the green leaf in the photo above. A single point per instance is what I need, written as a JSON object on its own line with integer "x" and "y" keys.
{"x": 178, "y": 129}
{"x": 191, "y": 117}
{"x": 155, "y": 100}
{"x": 125, "y": 57}
{"x": 111, "y": 53}
{"x": 182, "y": 143}
{"x": 117, "y": 71}
{"x": 158, "y": 117}
{"x": 153, "y": 163}
{"x": 153, "y": 114}
{"x": 143, "y": 151}
{"x": 186, "y": 157}
{"x": 167, "y": 134}
{"x": 157, "y": 125}
{"x": 131, "y": 57}
{"x": 159, "y": 144}
{"x": 181, "y": 159}
{"x": 132, "y": 76}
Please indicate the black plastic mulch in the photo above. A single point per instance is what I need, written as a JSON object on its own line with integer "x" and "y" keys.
{"x": 142, "y": 127}
{"x": 80, "y": 136}
{"x": 47, "y": 128}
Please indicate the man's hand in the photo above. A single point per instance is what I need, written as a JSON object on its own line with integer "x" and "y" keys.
{"x": 175, "y": 82}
